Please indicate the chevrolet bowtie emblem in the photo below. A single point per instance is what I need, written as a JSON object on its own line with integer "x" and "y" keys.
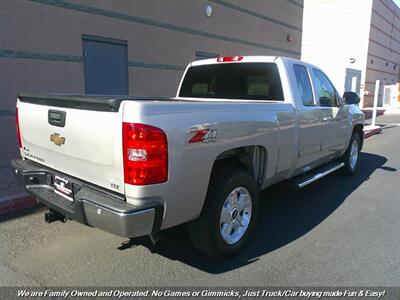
{"x": 57, "y": 139}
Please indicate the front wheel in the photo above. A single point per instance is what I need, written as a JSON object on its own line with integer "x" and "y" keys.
{"x": 229, "y": 214}
{"x": 350, "y": 157}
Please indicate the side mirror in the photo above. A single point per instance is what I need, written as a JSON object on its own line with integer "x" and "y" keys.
{"x": 351, "y": 98}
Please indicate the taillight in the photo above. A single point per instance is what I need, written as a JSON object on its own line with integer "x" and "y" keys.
{"x": 17, "y": 126}
{"x": 229, "y": 58}
{"x": 145, "y": 151}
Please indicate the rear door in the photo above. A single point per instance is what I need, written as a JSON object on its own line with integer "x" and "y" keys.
{"x": 106, "y": 65}
{"x": 310, "y": 118}
{"x": 84, "y": 142}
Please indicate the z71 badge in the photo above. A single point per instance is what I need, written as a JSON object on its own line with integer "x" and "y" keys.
{"x": 203, "y": 136}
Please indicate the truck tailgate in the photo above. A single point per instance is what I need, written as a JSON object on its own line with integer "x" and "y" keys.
{"x": 87, "y": 146}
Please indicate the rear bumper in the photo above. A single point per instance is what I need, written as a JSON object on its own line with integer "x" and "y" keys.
{"x": 91, "y": 205}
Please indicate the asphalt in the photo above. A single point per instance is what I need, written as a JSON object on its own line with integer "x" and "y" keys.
{"x": 340, "y": 231}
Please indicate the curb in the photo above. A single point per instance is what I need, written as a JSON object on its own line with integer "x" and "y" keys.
{"x": 368, "y": 115}
{"x": 14, "y": 205}
{"x": 369, "y": 133}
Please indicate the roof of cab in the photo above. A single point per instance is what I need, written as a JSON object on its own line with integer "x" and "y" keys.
{"x": 249, "y": 59}
{"x": 243, "y": 59}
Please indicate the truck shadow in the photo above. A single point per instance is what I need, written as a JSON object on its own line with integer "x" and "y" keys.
{"x": 285, "y": 215}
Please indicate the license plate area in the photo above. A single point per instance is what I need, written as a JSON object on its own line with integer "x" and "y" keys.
{"x": 63, "y": 188}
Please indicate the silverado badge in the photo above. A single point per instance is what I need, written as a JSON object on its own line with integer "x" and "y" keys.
{"x": 57, "y": 139}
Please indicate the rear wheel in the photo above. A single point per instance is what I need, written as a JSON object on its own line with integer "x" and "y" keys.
{"x": 229, "y": 214}
{"x": 350, "y": 157}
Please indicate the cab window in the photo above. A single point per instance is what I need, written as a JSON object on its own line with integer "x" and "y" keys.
{"x": 304, "y": 85}
{"x": 253, "y": 81}
{"x": 325, "y": 89}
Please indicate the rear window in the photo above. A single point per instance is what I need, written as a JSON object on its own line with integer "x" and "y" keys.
{"x": 253, "y": 81}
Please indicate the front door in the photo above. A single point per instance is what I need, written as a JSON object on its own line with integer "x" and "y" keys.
{"x": 334, "y": 116}
{"x": 106, "y": 65}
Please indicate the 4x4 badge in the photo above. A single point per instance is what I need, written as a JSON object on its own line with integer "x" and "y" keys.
{"x": 203, "y": 136}
{"x": 57, "y": 139}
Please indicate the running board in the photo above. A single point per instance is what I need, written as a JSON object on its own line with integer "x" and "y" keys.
{"x": 304, "y": 180}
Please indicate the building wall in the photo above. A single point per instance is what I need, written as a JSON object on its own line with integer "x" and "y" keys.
{"x": 366, "y": 30}
{"x": 335, "y": 31}
{"x": 383, "y": 61}
{"x": 41, "y": 42}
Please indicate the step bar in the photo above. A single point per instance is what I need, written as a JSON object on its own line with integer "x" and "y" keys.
{"x": 306, "y": 180}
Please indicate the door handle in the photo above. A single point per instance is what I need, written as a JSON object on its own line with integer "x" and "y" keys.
{"x": 326, "y": 119}
{"x": 56, "y": 117}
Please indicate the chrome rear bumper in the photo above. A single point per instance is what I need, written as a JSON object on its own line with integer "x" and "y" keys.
{"x": 91, "y": 205}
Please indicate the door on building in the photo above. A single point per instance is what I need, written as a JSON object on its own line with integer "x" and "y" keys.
{"x": 352, "y": 81}
{"x": 106, "y": 65}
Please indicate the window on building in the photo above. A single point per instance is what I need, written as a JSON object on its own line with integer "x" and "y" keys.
{"x": 326, "y": 91}
{"x": 304, "y": 85}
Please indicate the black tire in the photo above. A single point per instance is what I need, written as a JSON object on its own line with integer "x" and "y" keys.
{"x": 204, "y": 232}
{"x": 349, "y": 168}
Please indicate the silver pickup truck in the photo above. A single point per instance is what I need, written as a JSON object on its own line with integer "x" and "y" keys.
{"x": 134, "y": 166}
